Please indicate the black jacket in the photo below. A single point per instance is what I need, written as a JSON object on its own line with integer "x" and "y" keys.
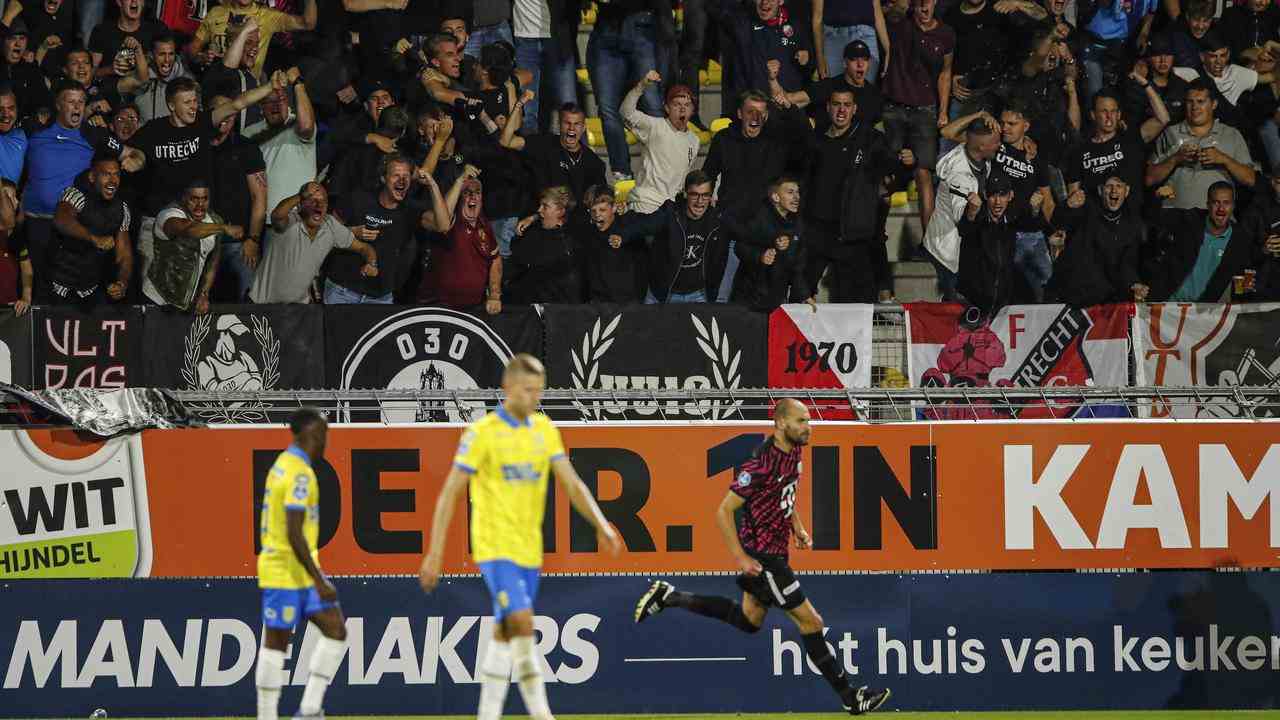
{"x": 544, "y": 267}
{"x": 765, "y": 287}
{"x": 670, "y": 227}
{"x": 1181, "y": 236}
{"x": 549, "y": 165}
{"x": 612, "y": 275}
{"x": 1100, "y": 261}
{"x": 746, "y": 166}
{"x": 867, "y": 162}
{"x": 988, "y": 277}
{"x": 1263, "y": 219}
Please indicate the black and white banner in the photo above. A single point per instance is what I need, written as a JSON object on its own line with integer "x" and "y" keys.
{"x": 15, "y": 349}
{"x": 236, "y": 348}
{"x": 1179, "y": 344}
{"x": 652, "y": 347}
{"x": 97, "y": 349}
{"x": 377, "y": 347}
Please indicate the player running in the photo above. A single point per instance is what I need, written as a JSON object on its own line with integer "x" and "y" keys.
{"x": 293, "y": 586}
{"x": 766, "y": 488}
{"x": 505, "y": 457}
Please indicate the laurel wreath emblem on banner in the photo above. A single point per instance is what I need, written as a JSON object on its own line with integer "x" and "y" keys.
{"x": 269, "y": 352}
{"x": 586, "y": 367}
{"x": 725, "y": 369}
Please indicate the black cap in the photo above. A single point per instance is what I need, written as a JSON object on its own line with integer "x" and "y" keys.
{"x": 371, "y": 85}
{"x": 856, "y": 49}
{"x": 17, "y": 27}
{"x": 999, "y": 184}
{"x": 1159, "y": 45}
{"x": 1212, "y": 41}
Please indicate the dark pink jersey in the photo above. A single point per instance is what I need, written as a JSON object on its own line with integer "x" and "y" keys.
{"x": 767, "y": 482}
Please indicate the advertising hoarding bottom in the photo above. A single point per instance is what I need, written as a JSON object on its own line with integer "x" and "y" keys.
{"x": 965, "y": 642}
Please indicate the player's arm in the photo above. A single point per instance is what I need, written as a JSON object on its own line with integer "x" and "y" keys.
{"x": 803, "y": 541}
{"x": 586, "y": 505}
{"x": 300, "y": 550}
{"x": 429, "y": 573}
{"x": 728, "y": 529}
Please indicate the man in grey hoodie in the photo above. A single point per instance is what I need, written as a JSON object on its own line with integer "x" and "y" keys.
{"x": 166, "y": 66}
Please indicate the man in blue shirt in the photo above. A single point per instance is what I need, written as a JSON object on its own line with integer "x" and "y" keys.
{"x": 55, "y": 156}
{"x": 1204, "y": 250}
{"x": 13, "y": 139}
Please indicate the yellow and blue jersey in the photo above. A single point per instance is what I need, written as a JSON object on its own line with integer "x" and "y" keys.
{"x": 291, "y": 485}
{"x": 509, "y": 462}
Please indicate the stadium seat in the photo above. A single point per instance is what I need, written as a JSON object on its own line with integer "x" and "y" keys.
{"x": 720, "y": 124}
{"x": 622, "y": 189}
{"x": 595, "y": 133}
{"x": 704, "y": 136}
{"x": 584, "y": 78}
{"x": 898, "y": 199}
{"x": 712, "y": 75}
{"x": 589, "y": 15}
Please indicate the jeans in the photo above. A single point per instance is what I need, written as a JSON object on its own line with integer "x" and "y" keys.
{"x": 234, "y": 276}
{"x": 538, "y": 55}
{"x": 693, "y": 39}
{"x": 1270, "y": 134}
{"x": 504, "y": 229}
{"x": 617, "y": 57}
{"x": 91, "y": 12}
{"x": 335, "y": 294}
{"x": 485, "y": 35}
{"x": 834, "y": 40}
{"x": 1093, "y": 55}
{"x": 915, "y": 128}
{"x": 730, "y": 272}
{"x": 1031, "y": 255}
{"x": 697, "y": 296}
{"x": 947, "y": 280}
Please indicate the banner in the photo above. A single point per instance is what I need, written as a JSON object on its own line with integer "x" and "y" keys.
{"x": 98, "y": 349}
{"x": 1044, "y": 641}
{"x": 1207, "y": 346}
{"x": 376, "y": 347}
{"x": 73, "y": 509}
{"x": 15, "y": 349}
{"x": 651, "y": 347}
{"x": 1021, "y": 346}
{"x": 928, "y": 496}
{"x": 829, "y": 347}
{"x": 236, "y": 348}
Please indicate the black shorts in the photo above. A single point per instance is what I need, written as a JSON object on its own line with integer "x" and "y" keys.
{"x": 776, "y": 585}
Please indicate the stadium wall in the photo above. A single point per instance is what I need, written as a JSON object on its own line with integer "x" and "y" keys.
{"x": 170, "y": 516}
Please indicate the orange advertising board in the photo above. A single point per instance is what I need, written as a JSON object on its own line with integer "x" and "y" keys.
{"x": 944, "y": 496}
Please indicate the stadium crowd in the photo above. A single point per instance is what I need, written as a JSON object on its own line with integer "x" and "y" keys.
{"x": 377, "y": 151}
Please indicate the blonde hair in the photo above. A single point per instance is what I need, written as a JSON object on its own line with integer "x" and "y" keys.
{"x": 558, "y": 195}
{"x": 524, "y": 364}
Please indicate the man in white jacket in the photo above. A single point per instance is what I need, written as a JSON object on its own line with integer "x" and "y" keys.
{"x": 670, "y": 145}
{"x": 961, "y": 171}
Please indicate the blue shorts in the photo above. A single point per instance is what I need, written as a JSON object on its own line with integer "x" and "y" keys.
{"x": 281, "y": 609}
{"x": 511, "y": 586}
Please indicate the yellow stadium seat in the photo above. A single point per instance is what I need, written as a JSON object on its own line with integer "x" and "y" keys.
{"x": 898, "y": 199}
{"x": 679, "y": 16}
{"x": 719, "y": 124}
{"x": 712, "y": 75}
{"x": 584, "y": 78}
{"x": 913, "y": 193}
{"x": 595, "y": 133}
{"x": 622, "y": 189}
{"x": 589, "y": 15}
{"x": 704, "y": 137}
{"x": 893, "y": 378}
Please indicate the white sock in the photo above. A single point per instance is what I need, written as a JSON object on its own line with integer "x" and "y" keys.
{"x": 528, "y": 672}
{"x": 495, "y": 679}
{"x": 269, "y": 677}
{"x": 324, "y": 665}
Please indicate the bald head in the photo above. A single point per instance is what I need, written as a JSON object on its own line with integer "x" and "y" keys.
{"x": 791, "y": 423}
{"x": 787, "y": 408}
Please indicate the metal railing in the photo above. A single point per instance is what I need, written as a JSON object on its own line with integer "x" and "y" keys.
{"x": 868, "y": 405}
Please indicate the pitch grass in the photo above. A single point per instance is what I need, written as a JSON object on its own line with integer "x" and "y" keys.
{"x": 886, "y": 714}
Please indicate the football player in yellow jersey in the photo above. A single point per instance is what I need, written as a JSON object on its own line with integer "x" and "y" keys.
{"x": 293, "y": 586}
{"x": 505, "y": 457}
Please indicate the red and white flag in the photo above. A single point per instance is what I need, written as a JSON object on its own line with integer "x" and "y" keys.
{"x": 830, "y": 348}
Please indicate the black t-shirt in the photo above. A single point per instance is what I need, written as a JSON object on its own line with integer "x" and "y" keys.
{"x": 692, "y": 275}
{"x": 830, "y": 165}
{"x": 222, "y": 80}
{"x": 1138, "y": 109}
{"x": 1089, "y": 163}
{"x": 982, "y": 40}
{"x": 79, "y": 265}
{"x": 41, "y": 25}
{"x": 395, "y": 231}
{"x": 1026, "y": 175}
{"x": 108, "y": 38}
{"x": 550, "y": 165}
{"x": 175, "y": 156}
{"x": 868, "y": 98}
{"x": 237, "y": 159}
